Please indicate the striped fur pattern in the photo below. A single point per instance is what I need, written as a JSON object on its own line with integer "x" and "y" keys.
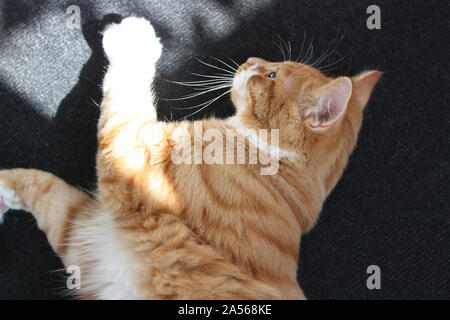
{"x": 160, "y": 230}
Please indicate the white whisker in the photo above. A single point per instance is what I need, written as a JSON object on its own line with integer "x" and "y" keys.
{"x": 214, "y": 82}
{"x": 325, "y": 55}
{"x": 327, "y": 67}
{"x": 301, "y": 49}
{"x": 287, "y": 46}
{"x": 193, "y": 95}
{"x": 94, "y": 102}
{"x": 199, "y": 83}
{"x": 200, "y": 104}
{"x": 212, "y": 66}
{"x": 211, "y": 86}
{"x": 311, "y": 52}
{"x": 234, "y": 62}
{"x": 213, "y": 77}
{"x": 282, "y": 51}
{"x": 233, "y": 69}
{"x": 208, "y": 104}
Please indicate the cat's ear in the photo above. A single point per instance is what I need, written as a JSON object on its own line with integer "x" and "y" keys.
{"x": 331, "y": 103}
{"x": 363, "y": 85}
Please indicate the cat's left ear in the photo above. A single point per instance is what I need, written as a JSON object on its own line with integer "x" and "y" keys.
{"x": 331, "y": 103}
{"x": 363, "y": 85}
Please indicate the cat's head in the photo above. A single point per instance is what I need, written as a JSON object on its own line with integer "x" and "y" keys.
{"x": 316, "y": 115}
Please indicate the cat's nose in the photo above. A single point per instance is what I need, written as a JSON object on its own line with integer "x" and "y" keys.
{"x": 254, "y": 60}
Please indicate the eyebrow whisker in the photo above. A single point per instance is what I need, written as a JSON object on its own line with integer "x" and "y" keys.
{"x": 282, "y": 51}
{"x": 301, "y": 49}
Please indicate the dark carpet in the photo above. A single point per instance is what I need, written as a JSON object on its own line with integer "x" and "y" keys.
{"x": 391, "y": 208}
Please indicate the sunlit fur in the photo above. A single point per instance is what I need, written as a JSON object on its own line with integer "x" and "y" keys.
{"x": 157, "y": 230}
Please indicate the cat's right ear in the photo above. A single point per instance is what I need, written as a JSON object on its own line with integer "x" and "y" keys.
{"x": 331, "y": 104}
{"x": 363, "y": 85}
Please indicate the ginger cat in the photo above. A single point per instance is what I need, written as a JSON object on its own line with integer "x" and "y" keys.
{"x": 157, "y": 229}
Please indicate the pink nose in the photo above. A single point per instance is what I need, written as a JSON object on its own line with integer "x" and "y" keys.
{"x": 254, "y": 60}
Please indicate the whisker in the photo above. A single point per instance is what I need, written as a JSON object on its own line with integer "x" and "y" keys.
{"x": 224, "y": 76}
{"x": 206, "y": 105}
{"x": 311, "y": 53}
{"x": 301, "y": 49}
{"x": 214, "y": 82}
{"x": 327, "y": 67}
{"x": 94, "y": 102}
{"x": 314, "y": 63}
{"x": 201, "y": 83}
{"x": 303, "y": 58}
{"x": 288, "y": 49}
{"x": 212, "y": 66}
{"x": 234, "y": 62}
{"x": 217, "y": 59}
{"x": 193, "y": 95}
{"x": 282, "y": 51}
{"x": 229, "y": 84}
{"x": 198, "y": 105}
{"x": 325, "y": 56}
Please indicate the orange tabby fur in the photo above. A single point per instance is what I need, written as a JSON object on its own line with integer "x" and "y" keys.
{"x": 197, "y": 231}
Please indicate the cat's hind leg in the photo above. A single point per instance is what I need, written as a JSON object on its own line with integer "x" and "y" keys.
{"x": 52, "y": 202}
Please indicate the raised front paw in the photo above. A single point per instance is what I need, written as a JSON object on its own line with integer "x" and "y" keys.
{"x": 132, "y": 42}
{"x": 8, "y": 197}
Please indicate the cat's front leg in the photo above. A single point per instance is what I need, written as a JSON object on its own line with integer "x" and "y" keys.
{"x": 127, "y": 109}
{"x": 133, "y": 50}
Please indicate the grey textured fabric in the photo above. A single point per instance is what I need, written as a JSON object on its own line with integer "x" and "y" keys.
{"x": 391, "y": 207}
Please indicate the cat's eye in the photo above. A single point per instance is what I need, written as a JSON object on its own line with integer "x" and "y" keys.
{"x": 272, "y": 75}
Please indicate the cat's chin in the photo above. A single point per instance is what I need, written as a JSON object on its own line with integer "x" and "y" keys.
{"x": 240, "y": 81}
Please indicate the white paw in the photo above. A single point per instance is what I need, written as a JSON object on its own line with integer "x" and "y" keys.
{"x": 133, "y": 41}
{"x": 8, "y": 199}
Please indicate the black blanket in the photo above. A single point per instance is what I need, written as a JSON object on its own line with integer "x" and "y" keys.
{"x": 390, "y": 209}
